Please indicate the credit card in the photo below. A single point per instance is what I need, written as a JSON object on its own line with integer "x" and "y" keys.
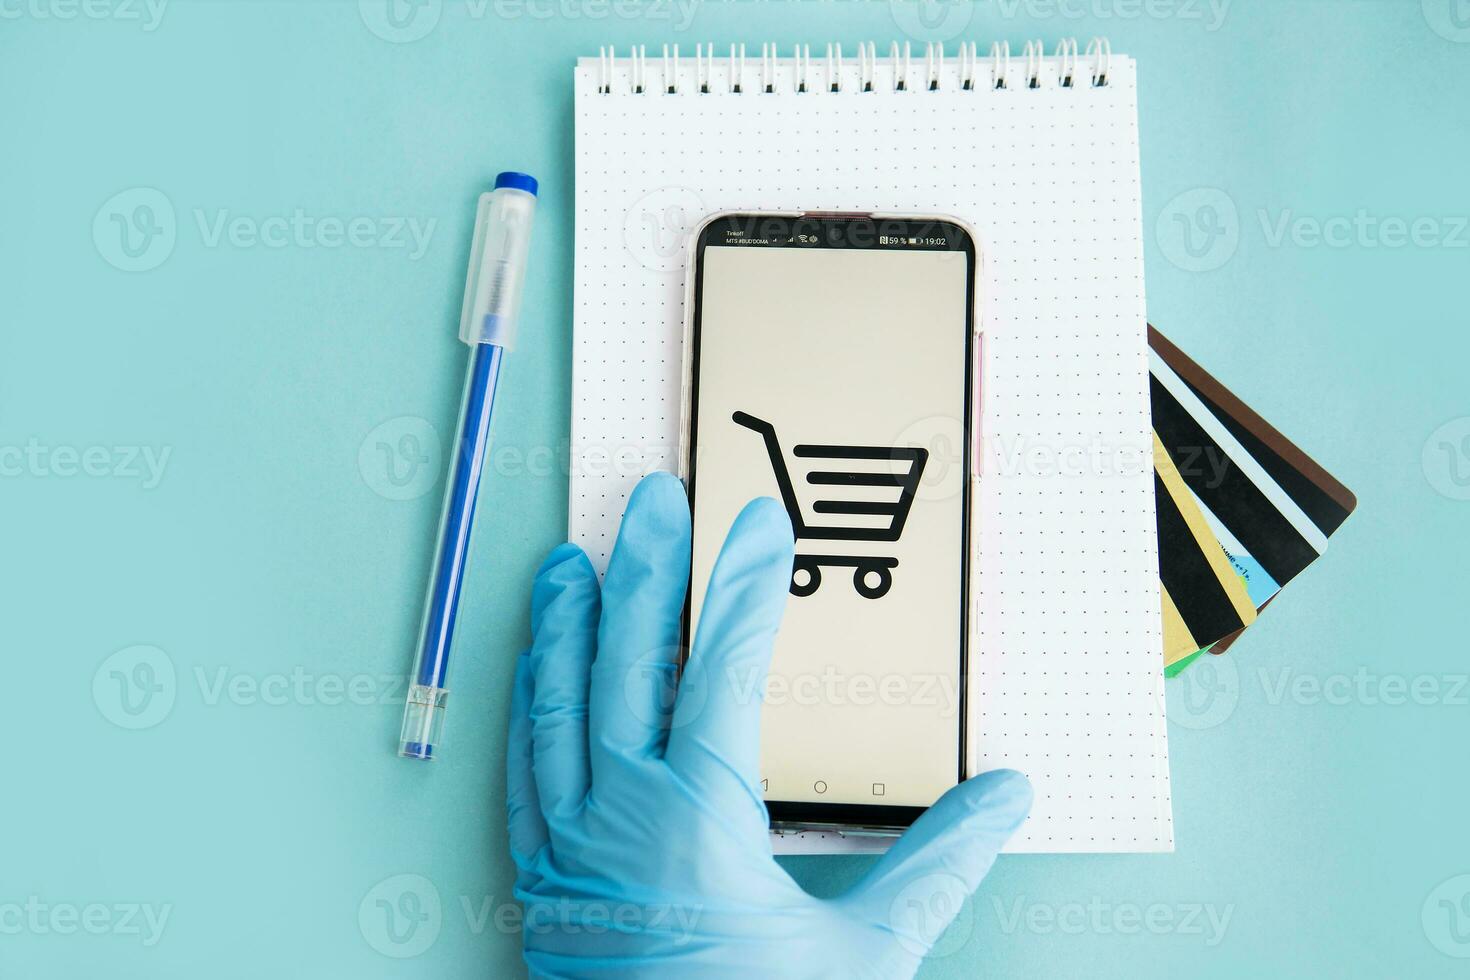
{"x": 1279, "y": 464}
{"x": 1204, "y": 599}
{"x": 1177, "y": 667}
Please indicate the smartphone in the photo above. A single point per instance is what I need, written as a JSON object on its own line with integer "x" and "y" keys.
{"x": 829, "y": 362}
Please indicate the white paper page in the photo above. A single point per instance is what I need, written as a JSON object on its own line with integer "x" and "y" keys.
{"x": 1066, "y": 680}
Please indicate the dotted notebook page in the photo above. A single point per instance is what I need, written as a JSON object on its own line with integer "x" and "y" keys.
{"x": 1065, "y": 677}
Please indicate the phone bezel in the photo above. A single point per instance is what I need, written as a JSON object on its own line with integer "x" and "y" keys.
{"x": 844, "y": 230}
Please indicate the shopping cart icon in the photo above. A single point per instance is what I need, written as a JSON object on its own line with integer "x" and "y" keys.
{"x": 907, "y": 466}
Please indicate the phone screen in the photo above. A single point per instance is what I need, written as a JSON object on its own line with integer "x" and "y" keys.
{"x": 830, "y": 369}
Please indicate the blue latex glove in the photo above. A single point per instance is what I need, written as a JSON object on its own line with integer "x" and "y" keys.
{"x": 636, "y": 819}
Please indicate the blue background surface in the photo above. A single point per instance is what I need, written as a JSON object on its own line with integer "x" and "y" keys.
{"x": 272, "y": 572}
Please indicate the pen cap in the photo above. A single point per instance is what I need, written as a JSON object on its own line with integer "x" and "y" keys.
{"x": 492, "y": 292}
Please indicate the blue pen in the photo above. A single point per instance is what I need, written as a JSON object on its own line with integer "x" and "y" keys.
{"x": 487, "y": 323}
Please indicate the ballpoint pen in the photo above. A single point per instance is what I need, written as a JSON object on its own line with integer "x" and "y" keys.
{"x": 487, "y": 324}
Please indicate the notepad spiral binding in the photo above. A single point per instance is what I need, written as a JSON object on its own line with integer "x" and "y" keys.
{"x": 797, "y": 74}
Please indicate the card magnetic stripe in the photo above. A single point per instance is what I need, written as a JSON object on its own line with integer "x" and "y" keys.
{"x": 1316, "y": 503}
{"x": 1237, "y": 502}
{"x": 1227, "y": 444}
{"x": 1188, "y": 576}
{"x": 1179, "y": 640}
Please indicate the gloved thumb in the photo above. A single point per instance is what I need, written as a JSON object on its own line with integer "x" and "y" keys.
{"x": 918, "y": 887}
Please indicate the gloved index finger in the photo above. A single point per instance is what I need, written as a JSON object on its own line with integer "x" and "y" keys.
{"x": 635, "y": 673}
{"x": 716, "y": 724}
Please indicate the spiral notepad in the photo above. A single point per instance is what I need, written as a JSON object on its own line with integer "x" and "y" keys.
{"x": 1039, "y": 153}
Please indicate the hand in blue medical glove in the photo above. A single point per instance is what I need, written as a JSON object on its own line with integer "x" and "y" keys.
{"x": 636, "y": 819}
